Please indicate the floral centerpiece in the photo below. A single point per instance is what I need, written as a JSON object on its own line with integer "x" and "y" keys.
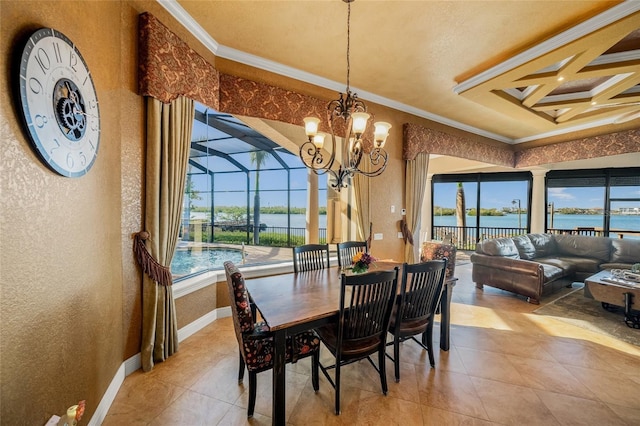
{"x": 361, "y": 261}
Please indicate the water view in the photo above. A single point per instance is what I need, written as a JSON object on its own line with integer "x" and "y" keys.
{"x": 560, "y": 221}
{"x": 189, "y": 261}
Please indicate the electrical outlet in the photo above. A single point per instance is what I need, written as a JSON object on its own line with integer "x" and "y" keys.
{"x": 377, "y": 236}
{"x": 400, "y": 235}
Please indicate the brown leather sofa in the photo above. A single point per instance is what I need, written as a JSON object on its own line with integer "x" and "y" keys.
{"x": 534, "y": 265}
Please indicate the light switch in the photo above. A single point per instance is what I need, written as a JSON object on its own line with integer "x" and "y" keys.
{"x": 377, "y": 236}
{"x": 393, "y": 209}
{"x": 400, "y": 235}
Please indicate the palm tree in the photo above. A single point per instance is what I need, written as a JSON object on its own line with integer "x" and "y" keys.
{"x": 258, "y": 158}
{"x": 191, "y": 194}
{"x": 461, "y": 214}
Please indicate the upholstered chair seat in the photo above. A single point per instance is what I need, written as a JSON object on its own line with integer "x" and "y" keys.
{"x": 258, "y": 347}
{"x": 256, "y": 341}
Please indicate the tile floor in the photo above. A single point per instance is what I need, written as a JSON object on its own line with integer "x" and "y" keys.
{"x": 506, "y": 366}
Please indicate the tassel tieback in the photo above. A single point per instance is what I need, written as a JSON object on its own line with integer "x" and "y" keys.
{"x": 157, "y": 272}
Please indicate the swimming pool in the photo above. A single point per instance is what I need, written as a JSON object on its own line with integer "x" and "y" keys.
{"x": 194, "y": 260}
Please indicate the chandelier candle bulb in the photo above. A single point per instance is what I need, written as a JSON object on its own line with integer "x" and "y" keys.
{"x": 311, "y": 126}
{"x": 381, "y": 132}
{"x": 359, "y": 123}
{"x": 318, "y": 140}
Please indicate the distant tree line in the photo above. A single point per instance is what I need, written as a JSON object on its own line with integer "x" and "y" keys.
{"x": 576, "y": 210}
{"x": 486, "y": 212}
{"x": 237, "y": 212}
{"x": 445, "y": 211}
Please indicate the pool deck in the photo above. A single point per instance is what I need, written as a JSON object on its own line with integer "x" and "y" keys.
{"x": 253, "y": 254}
{"x": 256, "y": 255}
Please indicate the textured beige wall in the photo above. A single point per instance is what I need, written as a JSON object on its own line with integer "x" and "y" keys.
{"x": 132, "y": 155}
{"x": 60, "y": 254}
{"x": 194, "y": 305}
{"x": 222, "y": 294}
{"x": 70, "y": 288}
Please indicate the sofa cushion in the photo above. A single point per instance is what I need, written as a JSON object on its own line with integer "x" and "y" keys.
{"x": 625, "y": 251}
{"x": 615, "y": 265}
{"x": 552, "y": 273}
{"x": 582, "y": 264}
{"x": 526, "y": 249}
{"x": 504, "y": 247}
{"x": 544, "y": 244}
{"x": 581, "y": 245}
{"x": 568, "y": 268}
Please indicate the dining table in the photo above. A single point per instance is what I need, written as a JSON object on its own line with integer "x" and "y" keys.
{"x": 294, "y": 302}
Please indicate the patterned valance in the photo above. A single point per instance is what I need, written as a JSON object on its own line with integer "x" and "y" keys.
{"x": 581, "y": 149}
{"x": 255, "y": 99}
{"x": 419, "y": 139}
{"x": 169, "y": 68}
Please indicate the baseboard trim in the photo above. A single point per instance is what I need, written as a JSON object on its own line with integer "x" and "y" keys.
{"x": 134, "y": 363}
{"x": 108, "y": 397}
{"x": 197, "y": 325}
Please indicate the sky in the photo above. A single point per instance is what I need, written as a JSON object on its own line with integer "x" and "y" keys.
{"x": 499, "y": 195}
{"x": 232, "y": 189}
{"x": 496, "y": 195}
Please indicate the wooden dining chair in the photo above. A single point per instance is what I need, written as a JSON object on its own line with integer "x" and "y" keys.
{"x": 310, "y": 257}
{"x": 348, "y": 249}
{"x": 255, "y": 340}
{"x": 366, "y": 301}
{"x": 414, "y": 311}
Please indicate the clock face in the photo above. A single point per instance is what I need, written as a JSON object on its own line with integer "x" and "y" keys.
{"x": 59, "y": 103}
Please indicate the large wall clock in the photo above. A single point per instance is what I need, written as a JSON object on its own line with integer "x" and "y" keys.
{"x": 59, "y": 103}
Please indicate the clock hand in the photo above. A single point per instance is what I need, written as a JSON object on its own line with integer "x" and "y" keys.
{"x": 79, "y": 111}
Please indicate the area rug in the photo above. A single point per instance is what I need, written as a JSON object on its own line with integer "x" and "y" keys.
{"x": 576, "y": 309}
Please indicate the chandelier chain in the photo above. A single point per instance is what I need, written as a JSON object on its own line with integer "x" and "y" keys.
{"x": 348, "y": 42}
{"x": 354, "y": 113}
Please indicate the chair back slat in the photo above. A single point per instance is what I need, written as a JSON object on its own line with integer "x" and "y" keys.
{"x": 367, "y": 311}
{"x": 348, "y": 249}
{"x": 421, "y": 289}
{"x": 310, "y": 257}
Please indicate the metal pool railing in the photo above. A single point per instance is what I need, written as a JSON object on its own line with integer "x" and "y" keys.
{"x": 466, "y": 237}
{"x": 273, "y": 236}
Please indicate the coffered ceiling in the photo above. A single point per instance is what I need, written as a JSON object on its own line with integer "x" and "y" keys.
{"x": 514, "y": 71}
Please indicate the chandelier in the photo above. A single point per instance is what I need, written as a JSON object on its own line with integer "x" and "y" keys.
{"x": 350, "y": 113}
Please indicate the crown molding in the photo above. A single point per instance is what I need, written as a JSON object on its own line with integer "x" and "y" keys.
{"x": 222, "y": 51}
{"x": 603, "y": 122}
{"x": 609, "y": 16}
{"x": 182, "y": 16}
